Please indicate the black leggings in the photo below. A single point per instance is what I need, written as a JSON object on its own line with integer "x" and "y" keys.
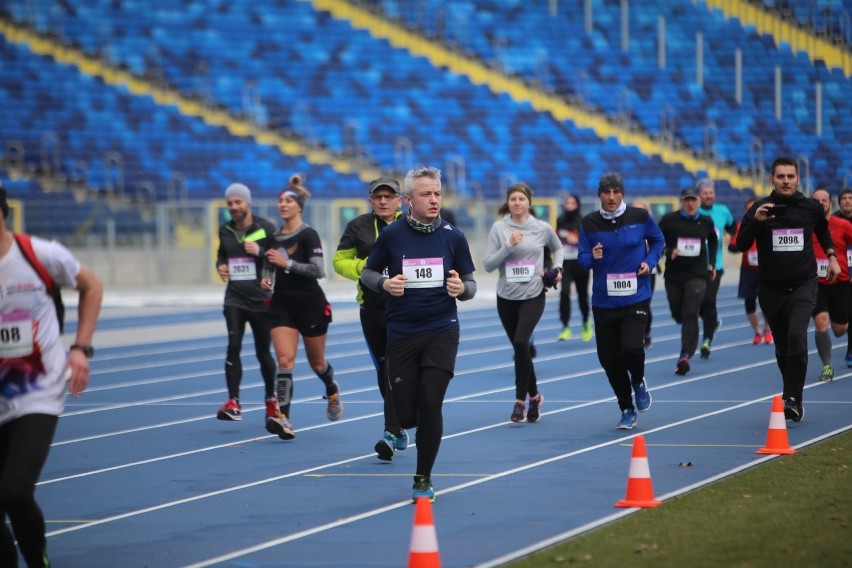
{"x": 519, "y": 318}
{"x": 236, "y": 319}
{"x": 419, "y": 371}
{"x": 572, "y": 272}
{"x": 24, "y": 445}
{"x": 374, "y": 326}
{"x": 708, "y": 312}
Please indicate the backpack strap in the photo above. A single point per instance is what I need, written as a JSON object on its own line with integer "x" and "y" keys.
{"x": 26, "y": 246}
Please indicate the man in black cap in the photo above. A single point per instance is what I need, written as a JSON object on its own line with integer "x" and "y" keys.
{"x": 691, "y": 248}
{"x": 355, "y": 245}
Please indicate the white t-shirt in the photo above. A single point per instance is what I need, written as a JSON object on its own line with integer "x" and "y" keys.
{"x": 33, "y": 362}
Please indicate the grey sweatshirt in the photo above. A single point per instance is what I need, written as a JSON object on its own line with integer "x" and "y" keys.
{"x": 520, "y": 266}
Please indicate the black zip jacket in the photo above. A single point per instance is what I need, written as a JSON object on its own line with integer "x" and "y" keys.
{"x": 683, "y": 267}
{"x": 778, "y": 268}
{"x": 246, "y": 294}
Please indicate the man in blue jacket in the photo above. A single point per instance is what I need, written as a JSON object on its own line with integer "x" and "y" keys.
{"x": 621, "y": 244}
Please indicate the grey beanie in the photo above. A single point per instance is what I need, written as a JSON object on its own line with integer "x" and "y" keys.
{"x": 238, "y": 190}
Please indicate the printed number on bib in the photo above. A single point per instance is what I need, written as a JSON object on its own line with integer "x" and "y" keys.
{"x": 621, "y": 284}
{"x": 822, "y": 267}
{"x": 688, "y": 247}
{"x": 16, "y": 334}
{"x": 519, "y": 270}
{"x": 241, "y": 268}
{"x": 788, "y": 240}
{"x": 571, "y": 252}
{"x": 423, "y": 272}
{"x": 752, "y": 257}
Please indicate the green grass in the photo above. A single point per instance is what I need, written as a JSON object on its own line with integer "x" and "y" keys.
{"x": 793, "y": 511}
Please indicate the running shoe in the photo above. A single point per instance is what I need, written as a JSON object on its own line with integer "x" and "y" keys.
{"x": 827, "y": 374}
{"x": 519, "y": 412}
{"x": 757, "y": 339}
{"x": 231, "y": 410}
{"x": 334, "y": 410}
{"x": 402, "y": 440}
{"x": 643, "y": 397}
{"x": 386, "y": 446}
{"x": 767, "y": 337}
{"x": 586, "y": 334}
{"x": 849, "y": 359}
{"x": 705, "y": 349}
{"x": 565, "y": 334}
{"x": 682, "y": 366}
{"x": 793, "y": 409}
{"x": 280, "y": 425}
{"x": 534, "y": 410}
{"x": 628, "y": 420}
{"x": 271, "y": 407}
{"x": 422, "y": 488}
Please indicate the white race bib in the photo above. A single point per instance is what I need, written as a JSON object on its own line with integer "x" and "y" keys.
{"x": 788, "y": 240}
{"x": 571, "y": 252}
{"x": 423, "y": 272}
{"x": 688, "y": 247}
{"x": 242, "y": 268}
{"x": 520, "y": 270}
{"x": 621, "y": 284}
{"x": 822, "y": 267}
{"x": 16, "y": 334}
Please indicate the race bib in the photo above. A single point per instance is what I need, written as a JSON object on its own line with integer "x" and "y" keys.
{"x": 788, "y": 240}
{"x": 621, "y": 284}
{"x": 519, "y": 270}
{"x": 822, "y": 267}
{"x": 16, "y": 334}
{"x": 242, "y": 268}
{"x": 571, "y": 252}
{"x": 752, "y": 257}
{"x": 423, "y": 272}
{"x": 688, "y": 247}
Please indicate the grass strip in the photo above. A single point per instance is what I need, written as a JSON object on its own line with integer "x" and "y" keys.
{"x": 793, "y": 511}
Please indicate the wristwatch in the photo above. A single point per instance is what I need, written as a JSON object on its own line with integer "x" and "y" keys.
{"x": 87, "y": 350}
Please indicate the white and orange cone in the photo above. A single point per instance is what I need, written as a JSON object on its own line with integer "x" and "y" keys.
{"x": 424, "y": 539}
{"x": 776, "y": 435}
{"x": 640, "y": 492}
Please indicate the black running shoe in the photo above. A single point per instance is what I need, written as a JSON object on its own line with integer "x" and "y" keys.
{"x": 793, "y": 409}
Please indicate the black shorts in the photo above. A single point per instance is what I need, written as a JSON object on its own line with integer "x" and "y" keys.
{"x": 311, "y": 318}
{"x": 834, "y": 299}
{"x": 406, "y": 357}
{"x": 747, "y": 289}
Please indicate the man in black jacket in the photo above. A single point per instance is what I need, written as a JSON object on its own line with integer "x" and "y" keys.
{"x": 242, "y": 242}
{"x": 783, "y": 224}
{"x": 691, "y": 249}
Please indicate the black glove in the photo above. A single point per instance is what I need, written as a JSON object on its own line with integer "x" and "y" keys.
{"x": 549, "y": 277}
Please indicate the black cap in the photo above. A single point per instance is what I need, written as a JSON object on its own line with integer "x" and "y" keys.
{"x": 689, "y": 192}
{"x": 387, "y": 182}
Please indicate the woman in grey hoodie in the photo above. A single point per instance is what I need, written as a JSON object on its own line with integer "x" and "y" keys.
{"x": 515, "y": 247}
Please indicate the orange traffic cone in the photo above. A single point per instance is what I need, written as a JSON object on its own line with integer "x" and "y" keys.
{"x": 776, "y": 436}
{"x": 424, "y": 540}
{"x": 640, "y": 493}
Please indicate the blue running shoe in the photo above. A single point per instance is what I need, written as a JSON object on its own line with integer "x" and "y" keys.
{"x": 628, "y": 420}
{"x": 643, "y": 397}
{"x": 386, "y": 446}
{"x": 401, "y": 441}
{"x": 422, "y": 488}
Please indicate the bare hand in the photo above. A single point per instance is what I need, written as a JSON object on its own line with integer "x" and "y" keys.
{"x": 674, "y": 252}
{"x": 252, "y": 248}
{"x": 455, "y": 286}
{"x": 223, "y": 272}
{"x": 395, "y": 286}
{"x": 597, "y": 251}
{"x": 78, "y": 364}
{"x": 515, "y": 238}
{"x": 833, "y": 269}
{"x": 276, "y": 258}
{"x": 266, "y": 283}
{"x": 763, "y": 212}
{"x": 644, "y": 269}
